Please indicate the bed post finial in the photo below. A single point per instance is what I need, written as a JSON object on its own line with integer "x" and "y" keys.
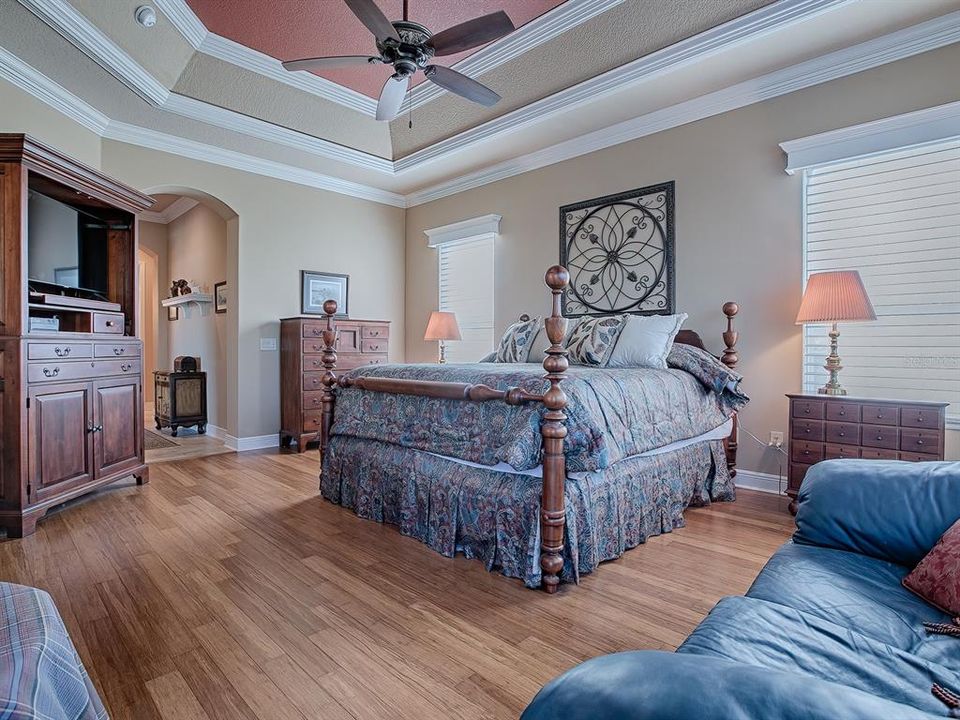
{"x": 730, "y": 358}
{"x": 553, "y": 431}
{"x": 329, "y": 380}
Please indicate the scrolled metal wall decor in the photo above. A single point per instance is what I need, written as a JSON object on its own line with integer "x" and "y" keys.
{"x": 619, "y": 251}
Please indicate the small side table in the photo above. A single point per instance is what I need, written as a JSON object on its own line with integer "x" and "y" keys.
{"x": 180, "y": 400}
{"x": 827, "y": 427}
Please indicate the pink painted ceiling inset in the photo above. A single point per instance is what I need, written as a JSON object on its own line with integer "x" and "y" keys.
{"x": 292, "y": 29}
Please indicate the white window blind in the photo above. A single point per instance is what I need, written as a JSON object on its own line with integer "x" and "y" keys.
{"x": 896, "y": 219}
{"x": 466, "y": 289}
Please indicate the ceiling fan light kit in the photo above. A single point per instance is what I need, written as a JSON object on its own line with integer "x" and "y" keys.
{"x": 408, "y": 47}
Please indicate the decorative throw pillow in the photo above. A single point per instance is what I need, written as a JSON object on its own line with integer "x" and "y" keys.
{"x": 645, "y": 341}
{"x": 538, "y": 348}
{"x": 593, "y": 339}
{"x": 515, "y": 344}
{"x": 937, "y": 577}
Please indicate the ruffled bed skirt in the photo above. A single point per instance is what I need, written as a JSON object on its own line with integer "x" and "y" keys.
{"x": 494, "y": 516}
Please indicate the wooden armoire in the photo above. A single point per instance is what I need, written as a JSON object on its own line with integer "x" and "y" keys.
{"x": 71, "y": 396}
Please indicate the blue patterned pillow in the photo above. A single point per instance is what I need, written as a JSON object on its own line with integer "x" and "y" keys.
{"x": 517, "y": 339}
{"x": 593, "y": 339}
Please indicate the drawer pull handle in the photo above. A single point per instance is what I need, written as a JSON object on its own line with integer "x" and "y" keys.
{"x": 879, "y": 437}
{"x": 109, "y": 323}
{"x": 807, "y": 410}
{"x": 842, "y": 413}
{"x": 51, "y": 373}
{"x": 879, "y": 416}
{"x": 919, "y": 441}
{"x": 62, "y": 352}
{"x": 374, "y": 348}
{"x": 119, "y": 351}
{"x": 919, "y": 417}
{"x": 843, "y": 434}
{"x": 94, "y": 428}
{"x": 124, "y": 367}
{"x": 316, "y": 332}
{"x": 806, "y": 452}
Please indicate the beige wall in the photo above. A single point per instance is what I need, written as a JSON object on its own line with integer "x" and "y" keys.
{"x": 154, "y": 330}
{"x": 738, "y": 228}
{"x": 197, "y": 247}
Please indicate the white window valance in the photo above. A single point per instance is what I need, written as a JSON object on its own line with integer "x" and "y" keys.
{"x": 464, "y": 231}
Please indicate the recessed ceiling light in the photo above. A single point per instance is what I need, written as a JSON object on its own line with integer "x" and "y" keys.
{"x": 146, "y": 16}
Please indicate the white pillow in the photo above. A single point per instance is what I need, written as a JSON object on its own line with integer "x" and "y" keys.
{"x": 645, "y": 341}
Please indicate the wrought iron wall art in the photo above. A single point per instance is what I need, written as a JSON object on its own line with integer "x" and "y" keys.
{"x": 619, "y": 251}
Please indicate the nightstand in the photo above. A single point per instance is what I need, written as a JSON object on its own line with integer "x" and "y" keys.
{"x": 826, "y": 427}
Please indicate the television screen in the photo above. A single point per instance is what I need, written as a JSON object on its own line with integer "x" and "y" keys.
{"x": 65, "y": 246}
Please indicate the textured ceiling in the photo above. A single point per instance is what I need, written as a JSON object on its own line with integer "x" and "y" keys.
{"x": 293, "y": 29}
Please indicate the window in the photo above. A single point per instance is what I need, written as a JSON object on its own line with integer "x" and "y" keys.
{"x": 894, "y": 217}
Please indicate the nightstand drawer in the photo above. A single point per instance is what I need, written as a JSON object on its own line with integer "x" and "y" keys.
{"x": 880, "y": 436}
{"x": 812, "y": 409}
{"x": 834, "y": 451}
{"x": 802, "y": 451}
{"x": 807, "y": 430}
{"x": 843, "y": 433}
{"x": 919, "y": 441}
{"x": 843, "y": 412}
{"x": 919, "y": 417}
{"x": 874, "y": 454}
{"x": 881, "y": 414}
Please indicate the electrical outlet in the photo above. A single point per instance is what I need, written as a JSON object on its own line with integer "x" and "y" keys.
{"x": 776, "y": 439}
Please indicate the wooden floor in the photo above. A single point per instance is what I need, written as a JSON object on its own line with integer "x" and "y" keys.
{"x": 189, "y": 443}
{"x": 228, "y": 589}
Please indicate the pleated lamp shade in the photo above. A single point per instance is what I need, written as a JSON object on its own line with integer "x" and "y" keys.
{"x": 835, "y": 296}
{"x": 442, "y": 326}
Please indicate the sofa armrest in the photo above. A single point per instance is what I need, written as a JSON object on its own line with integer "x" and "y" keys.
{"x": 655, "y": 685}
{"x": 891, "y": 510}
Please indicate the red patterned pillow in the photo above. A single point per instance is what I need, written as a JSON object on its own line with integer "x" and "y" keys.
{"x": 937, "y": 577}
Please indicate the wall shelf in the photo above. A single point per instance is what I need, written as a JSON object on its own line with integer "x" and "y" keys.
{"x": 200, "y": 301}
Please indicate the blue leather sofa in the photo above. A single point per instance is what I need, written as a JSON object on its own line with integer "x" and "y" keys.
{"x": 826, "y": 631}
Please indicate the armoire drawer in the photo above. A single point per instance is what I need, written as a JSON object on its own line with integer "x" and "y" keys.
{"x": 116, "y": 350}
{"x": 58, "y": 351}
{"x": 60, "y": 371}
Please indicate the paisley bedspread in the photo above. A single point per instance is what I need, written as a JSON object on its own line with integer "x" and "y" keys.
{"x": 612, "y": 413}
{"x": 494, "y": 516}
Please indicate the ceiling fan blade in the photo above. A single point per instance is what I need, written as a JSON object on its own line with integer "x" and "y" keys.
{"x": 391, "y": 97}
{"x": 472, "y": 33}
{"x": 461, "y": 85}
{"x": 370, "y": 15}
{"x": 328, "y": 63}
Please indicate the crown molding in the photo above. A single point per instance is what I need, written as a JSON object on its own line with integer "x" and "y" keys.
{"x": 93, "y": 43}
{"x": 753, "y": 25}
{"x": 179, "y": 207}
{"x": 900, "y": 131}
{"x": 18, "y": 73}
{"x": 184, "y": 20}
{"x": 920, "y": 38}
{"x": 544, "y": 28}
{"x": 463, "y": 230}
{"x": 240, "y": 55}
{"x": 263, "y": 130}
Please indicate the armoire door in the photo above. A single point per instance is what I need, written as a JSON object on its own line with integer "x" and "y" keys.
{"x": 119, "y": 425}
{"x": 60, "y": 439}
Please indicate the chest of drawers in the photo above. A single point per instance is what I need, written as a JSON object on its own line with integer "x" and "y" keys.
{"x": 359, "y": 343}
{"x": 824, "y": 427}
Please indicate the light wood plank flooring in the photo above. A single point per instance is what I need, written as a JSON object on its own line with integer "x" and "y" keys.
{"x": 228, "y": 589}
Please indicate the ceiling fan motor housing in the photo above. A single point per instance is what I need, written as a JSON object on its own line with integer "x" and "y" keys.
{"x": 411, "y": 53}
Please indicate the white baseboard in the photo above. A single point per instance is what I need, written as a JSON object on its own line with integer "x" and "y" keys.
{"x": 256, "y": 442}
{"x": 764, "y": 482}
{"x": 217, "y": 432}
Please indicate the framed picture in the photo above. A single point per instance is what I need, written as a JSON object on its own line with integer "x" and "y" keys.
{"x": 173, "y": 313}
{"x": 220, "y": 296}
{"x": 317, "y": 287}
{"x": 619, "y": 251}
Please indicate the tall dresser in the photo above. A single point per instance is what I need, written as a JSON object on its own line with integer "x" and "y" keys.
{"x": 828, "y": 427}
{"x": 359, "y": 343}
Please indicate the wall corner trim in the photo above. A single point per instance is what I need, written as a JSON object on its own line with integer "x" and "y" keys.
{"x": 934, "y": 124}
{"x": 464, "y": 230}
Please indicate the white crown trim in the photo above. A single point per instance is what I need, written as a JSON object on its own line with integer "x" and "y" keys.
{"x": 93, "y": 43}
{"x": 178, "y": 207}
{"x": 904, "y": 43}
{"x": 143, "y": 137}
{"x": 263, "y": 130}
{"x": 552, "y": 23}
{"x": 184, "y": 20}
{"x": 900, "y": 131}
{"x": 240, "y": 55}
{"x": 463, "y": 230}
{"x": 17, "y": 72}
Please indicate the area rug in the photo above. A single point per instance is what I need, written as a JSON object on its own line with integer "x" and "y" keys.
{"x": 156, "y": 441}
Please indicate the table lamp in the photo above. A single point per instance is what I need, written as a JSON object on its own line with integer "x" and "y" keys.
{"x": 832, "y": 297}
{"x": 442, "y": 326}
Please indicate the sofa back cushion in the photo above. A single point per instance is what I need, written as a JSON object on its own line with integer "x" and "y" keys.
{"x": 891, "y": 510}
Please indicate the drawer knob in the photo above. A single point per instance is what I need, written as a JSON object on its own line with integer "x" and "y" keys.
{"x": 806, "y": 452}
{"x": 842, "y": 434}
{"x": 110, "y": 323}
{"x": 51, "y": 373}
{"x": 879, "y": 437}
{"x": 119, "y": 351}
{"x": 62, "y": 351}
{"x": 124, "y": 367}
{"x": 879, "y": 416}
{"x": 842, "y": 413}
{"x": 919, "y": 417}
{"x": 807, "y": 410}
{"x": 919, "y": 441}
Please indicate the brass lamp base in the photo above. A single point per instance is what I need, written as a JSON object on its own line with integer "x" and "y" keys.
{"x": 833, "y": 366}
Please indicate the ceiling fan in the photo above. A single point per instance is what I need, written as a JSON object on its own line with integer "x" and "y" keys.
{"x": 409, "y": 46}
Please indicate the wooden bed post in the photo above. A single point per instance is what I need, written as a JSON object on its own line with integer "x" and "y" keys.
{"x": 730, "y": 358}
{"x": 553, "y": 431}
{"x": 329, "y": 360}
